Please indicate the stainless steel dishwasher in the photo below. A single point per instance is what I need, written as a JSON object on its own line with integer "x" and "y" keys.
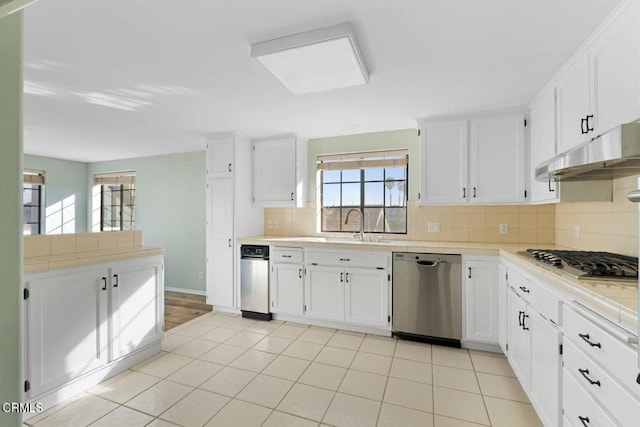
{"x": 254, "y": 282}
{"x": 427, "y": 297}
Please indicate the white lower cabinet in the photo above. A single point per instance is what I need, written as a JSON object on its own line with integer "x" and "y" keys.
{"x": 518, "y": 338}
{"x": 481, "y": 301}
{"x": 286, "y": 288}
{"x": 66, "y": 325}
{"x": 324, "y": 293}
{"x": 77, "y": 321}
{"x": 366, "y": 296}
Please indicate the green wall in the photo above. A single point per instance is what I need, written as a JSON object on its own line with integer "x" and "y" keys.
{"x": 170, "y": 204}
{"x": 65, "y": 193}
{"x": 10, "y": 210}
{"x": 397, "y": 139}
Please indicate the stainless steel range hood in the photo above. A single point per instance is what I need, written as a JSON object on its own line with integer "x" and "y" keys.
{"x": 614, "y": 154}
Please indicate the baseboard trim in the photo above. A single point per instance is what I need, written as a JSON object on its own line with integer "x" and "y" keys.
{"x": 185, "y": 291}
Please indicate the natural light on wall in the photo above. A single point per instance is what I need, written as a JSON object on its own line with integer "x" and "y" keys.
{"x": 61, "y": 216}
{"x": 314, "y": 61}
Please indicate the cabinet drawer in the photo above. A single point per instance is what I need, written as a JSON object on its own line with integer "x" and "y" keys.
{"x": 606, "y": 349}
{"x": 541, "y": 300}
{"x": 580, "y": 409}
{"x": 348, "y": 259}
{"x": 283, "y": 254}
{"x": 604, "y": 388}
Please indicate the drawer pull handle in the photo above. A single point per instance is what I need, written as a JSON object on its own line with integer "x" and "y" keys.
{"x": 591, "y": 343}
{"x": 345, "y": 259}
{"x": 524, "y": 289}
{"x": 585, "y": 374}
{"x": 584, "y": 420}
{"x": 286, "y": 256}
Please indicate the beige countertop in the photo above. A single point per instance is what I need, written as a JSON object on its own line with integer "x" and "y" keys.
{"x": 618, "y": 301}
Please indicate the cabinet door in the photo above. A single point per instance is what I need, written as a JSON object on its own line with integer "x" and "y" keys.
{"x": 136, "y": 305}
{"x": 286, "y": 289}
{"x": 444, "y": 163}
{"x": 616, "y": 65}
{"x": 574, "y": 104}
{"x": 496, "y": 159}
{"x": 546, "y": 369}
{"x": 543, "y": 145}
{"x": 324, "y": 293}
{"x": 518, "y": 338}
{"x": 367, "y": 296}
{"x": 220, "y": 158}
{"x": 481, "y": 313}
{"x": 66, "y": 323}
{"x": 274, "y": 172}
{"x": 502, "y": 307}
{"x": 220, "y": 259}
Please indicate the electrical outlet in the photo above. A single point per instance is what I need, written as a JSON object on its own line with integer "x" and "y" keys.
{"x": 433, "y": 227}
{"x": 275, "y": 224}
{"x": 576, "y": 231}
{"x": 504, "y": 228}
{"x": 269, "y": 224}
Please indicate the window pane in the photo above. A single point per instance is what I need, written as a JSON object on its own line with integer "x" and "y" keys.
{"x": 354, "y": 220}
{"x": 373, "y": 193}
{"x": 374, "y": 174}
{"x": 331, "y": 195}
{"x": 396, "y": 193}
{"x": 330, "y": 219}
{"x": 374, "y": 220}
{"x": 396, "y": 220}
{"x": 351, "y": 194}
{"x": 351, "y": 175}
{"x": 330, "y": 176}
{"x": 396, "y": 173}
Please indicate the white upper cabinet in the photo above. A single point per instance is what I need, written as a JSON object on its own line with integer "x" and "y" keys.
{"x": 496, "y": 159}
{"x": 542, "y": 139}
{"x": 444, "y": 163}
{"x": 600, "y": 88}
{"x": 220, "y": 157}
{"x": 279, "y": 172}
{"x": 616, "y": 65}
{"x": 473, "y": 160}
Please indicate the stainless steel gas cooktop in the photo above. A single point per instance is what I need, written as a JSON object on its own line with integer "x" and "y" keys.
{"x": 586, "y": 265}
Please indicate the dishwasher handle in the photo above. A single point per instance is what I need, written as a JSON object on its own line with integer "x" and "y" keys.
{"x": 429, "y": 264}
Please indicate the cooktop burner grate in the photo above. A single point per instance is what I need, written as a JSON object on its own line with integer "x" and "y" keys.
{"x": 588, "y": 265}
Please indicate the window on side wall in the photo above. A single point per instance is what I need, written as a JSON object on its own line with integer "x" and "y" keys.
{"x": 375, "y": 183}
{"x": 32, "y": 201}
{"x": 115, "y": 194}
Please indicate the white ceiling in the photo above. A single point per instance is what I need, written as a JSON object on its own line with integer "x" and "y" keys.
{"x": 110, "y": 79}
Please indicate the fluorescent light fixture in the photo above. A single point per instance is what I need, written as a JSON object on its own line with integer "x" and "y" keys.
{"x": 314, "y": 61}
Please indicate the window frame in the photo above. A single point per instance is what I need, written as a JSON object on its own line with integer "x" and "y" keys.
{"x": 362, "y": 206}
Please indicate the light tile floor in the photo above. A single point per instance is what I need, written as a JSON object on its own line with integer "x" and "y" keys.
{"x": 223, "y": 370}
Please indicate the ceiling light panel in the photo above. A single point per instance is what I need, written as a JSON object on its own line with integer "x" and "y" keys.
{"x": 315, "y": 61}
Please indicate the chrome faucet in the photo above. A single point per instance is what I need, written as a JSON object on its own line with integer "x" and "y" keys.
{"x": 346, "y": 219}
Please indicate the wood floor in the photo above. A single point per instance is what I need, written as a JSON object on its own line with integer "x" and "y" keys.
{"x": 179, "y": 308}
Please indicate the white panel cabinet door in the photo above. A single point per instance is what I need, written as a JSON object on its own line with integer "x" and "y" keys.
{"x": 324, "y": 293}
{"x": 616, "y": 65}
{"x": 66, "y": 318}
{"x": 220, "y": 158}
{"x": 286, "y": 289}
{"x": 481, "y": 313}
{"x": 546, "y": 369}
{"x": 575, "y": 104}
{"x": 220, "y": 254}
{"x": 136, "y": 305}
{"x": 543, "y": 145}
{"x": 367, "y": 296}
{"x": 444, "y": 163}
{"x": 274, "y": 172}
{"x": 518, "y": 338}
{"x": 496, "y": 159}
